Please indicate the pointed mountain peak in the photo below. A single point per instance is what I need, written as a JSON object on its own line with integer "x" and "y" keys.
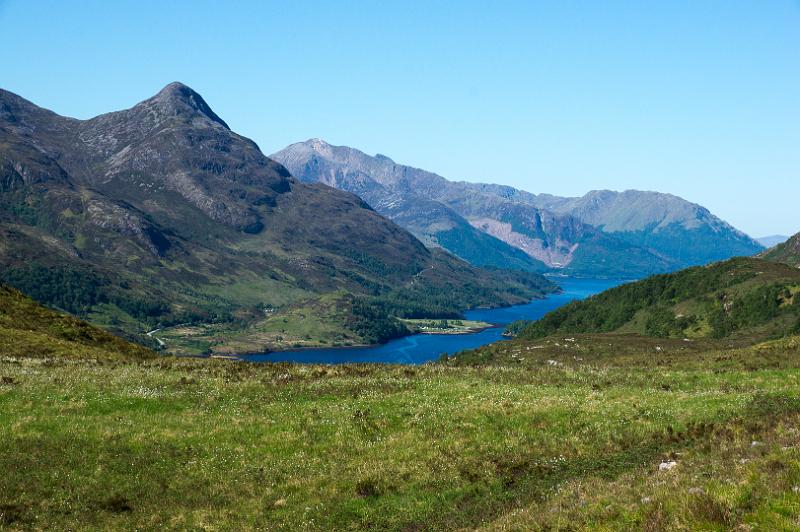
{"x": 177, "y": 98}
{"x": 176, "y": 90}
{"x": 320, "y": 146}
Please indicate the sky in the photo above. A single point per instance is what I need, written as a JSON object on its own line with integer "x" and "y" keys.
{"x": 698, "y": 98}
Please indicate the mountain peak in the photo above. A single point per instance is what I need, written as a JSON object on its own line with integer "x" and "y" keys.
{"x": 317, "y": 144}
{"x": 177, "y": 98}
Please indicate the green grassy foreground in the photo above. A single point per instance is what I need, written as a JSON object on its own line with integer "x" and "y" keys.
{"x": 189, "y": 443}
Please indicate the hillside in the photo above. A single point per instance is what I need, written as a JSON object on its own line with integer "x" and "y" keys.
{"x": 743, "y": 298}
{"x": 788, "y": 252}
{"x": 27, "y": 329}
{"x": 604, "y": 233}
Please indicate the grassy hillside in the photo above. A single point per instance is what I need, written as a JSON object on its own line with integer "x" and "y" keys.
{"x": 527, "y": 439}
{"x": 787, "y": 252}
{"x": 29, "y": 330}
{"x": 739, "y": 298}
{"x": 332, "y": 320}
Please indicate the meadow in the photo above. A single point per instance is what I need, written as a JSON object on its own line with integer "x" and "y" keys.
{"x": 599, "y": 432}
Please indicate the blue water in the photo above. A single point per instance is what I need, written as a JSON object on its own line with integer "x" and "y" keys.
{"x": 421, "y": 348}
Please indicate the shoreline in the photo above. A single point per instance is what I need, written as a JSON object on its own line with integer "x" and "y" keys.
{"x": 491, "y": 325}
{"x": 424, "y": 345}
{"x": 462, "y": 332}
{"x": 355, "y": 347}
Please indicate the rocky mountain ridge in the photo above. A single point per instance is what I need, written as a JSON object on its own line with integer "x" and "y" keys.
{"x": 604, "y": 233}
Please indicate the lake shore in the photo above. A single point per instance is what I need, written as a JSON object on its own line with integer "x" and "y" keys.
{"x": 422, "y": 348}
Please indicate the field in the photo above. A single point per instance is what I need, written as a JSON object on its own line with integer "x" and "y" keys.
{"x": 624, "y": 434}
{"x": 314, "y": 323}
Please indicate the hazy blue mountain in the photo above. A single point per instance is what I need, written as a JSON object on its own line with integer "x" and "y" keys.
{"x": 772, "y": 240}
{"x": 684, "y": 232}
{"x": 604, "y": 233}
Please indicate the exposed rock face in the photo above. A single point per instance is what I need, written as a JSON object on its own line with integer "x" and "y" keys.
{"x": 602, "y": 233}
{"x": 682, "y": 231}
{"x": 433, "y": 207}
{"x": 398, "y": 193}
{"x": 559, "y": 255}
{"x": 155, "y": 160}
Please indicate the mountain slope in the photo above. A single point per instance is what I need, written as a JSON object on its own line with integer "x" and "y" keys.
{"x": 161, "y": 214}
{"x": 29, "y": 330}
{"x": 788, "y": 252}
{"x": 607, "y": 233}
{"x": 744, "y": 298}
{"x": 405, "y": 194}
{"x": 433, "y": 222}
{"x": 685, "y": 232}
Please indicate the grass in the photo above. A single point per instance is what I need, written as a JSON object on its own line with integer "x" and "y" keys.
{"x": 28, "y": 330}
{"x": 313, "y": 323}
{"x": 187, "y": 443}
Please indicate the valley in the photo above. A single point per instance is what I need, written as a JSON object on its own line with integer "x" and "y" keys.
{"x": 424, "y": 348}
{"x": 668, "y": 402}
{"x": 531, "y": 269}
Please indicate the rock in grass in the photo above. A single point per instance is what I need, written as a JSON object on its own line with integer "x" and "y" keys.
{"x": 666, "y": 466}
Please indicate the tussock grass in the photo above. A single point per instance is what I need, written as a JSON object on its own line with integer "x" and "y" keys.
{"x": 189, "y": 443}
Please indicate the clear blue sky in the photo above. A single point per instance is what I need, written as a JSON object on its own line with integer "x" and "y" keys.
{"x": 700, "y": 98}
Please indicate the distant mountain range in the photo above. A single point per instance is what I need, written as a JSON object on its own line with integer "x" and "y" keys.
{"x": 603, "y": 233}
{"x": 161, "y": 214}
{"x": 772, "y": 240}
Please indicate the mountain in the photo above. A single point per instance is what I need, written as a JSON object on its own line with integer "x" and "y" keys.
{"x": 448, "y": 214}
{"x": 686, "y": 233}
{"x": 432, "y": 221}
{"x": 604, "y": 233}
{"x": 787, "y": 252}
{"x": 742, "y": 298}
{"x": 28, "y": 330}
{"x": 772, "y": 240}
{"x": 160, "y": 214}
